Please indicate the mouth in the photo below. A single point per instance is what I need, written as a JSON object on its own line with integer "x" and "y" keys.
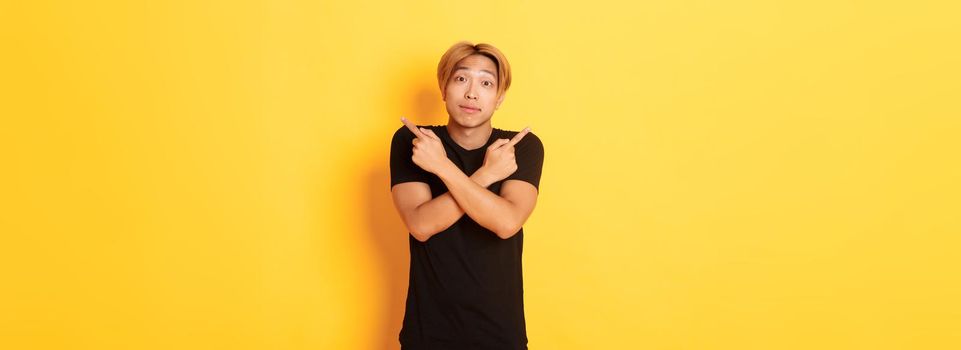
{"x": 469, "y": 110}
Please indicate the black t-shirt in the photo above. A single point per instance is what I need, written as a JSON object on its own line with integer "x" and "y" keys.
{"x": 466, "y": 288}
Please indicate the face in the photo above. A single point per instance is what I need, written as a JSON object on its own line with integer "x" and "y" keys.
{"x": 471, "y": 93}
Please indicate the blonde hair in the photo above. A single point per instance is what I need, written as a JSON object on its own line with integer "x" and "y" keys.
{"x": 463, "y": 49}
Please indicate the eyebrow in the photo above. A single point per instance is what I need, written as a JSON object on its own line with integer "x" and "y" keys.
{"x": 482, "y": 70}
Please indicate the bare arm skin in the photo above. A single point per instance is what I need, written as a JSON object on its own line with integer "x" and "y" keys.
{"x": 503, "y": 215}
{"x": 425, "y": 217}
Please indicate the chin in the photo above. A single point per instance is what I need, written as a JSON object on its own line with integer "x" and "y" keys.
{"x": 470, "y": 122}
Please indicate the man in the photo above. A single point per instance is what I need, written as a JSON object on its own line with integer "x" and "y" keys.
{"x": 464, "y": 191}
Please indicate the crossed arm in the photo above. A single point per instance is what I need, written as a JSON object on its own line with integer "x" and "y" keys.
{"x": 502, "y": 214}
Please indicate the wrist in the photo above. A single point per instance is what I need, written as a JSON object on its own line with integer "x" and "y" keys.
{"x": 444, "y": 171}
{"x": 482, "y": 178}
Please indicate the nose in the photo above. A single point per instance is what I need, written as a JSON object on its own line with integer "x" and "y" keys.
{"x": 471, "y": 94}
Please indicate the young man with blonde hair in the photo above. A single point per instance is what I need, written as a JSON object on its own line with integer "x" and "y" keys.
{"x": 464, "y": 191}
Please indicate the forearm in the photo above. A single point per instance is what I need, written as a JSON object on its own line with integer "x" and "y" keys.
{"x": 485, "y": 207}
{"x": 436, "y": 215}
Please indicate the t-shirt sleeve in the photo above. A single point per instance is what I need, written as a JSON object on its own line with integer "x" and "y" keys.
{"x": 402, "y": 167}
{"x": 529, "y": 155}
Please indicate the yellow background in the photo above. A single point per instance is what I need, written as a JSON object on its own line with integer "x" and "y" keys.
{"x": 718, "y": 174}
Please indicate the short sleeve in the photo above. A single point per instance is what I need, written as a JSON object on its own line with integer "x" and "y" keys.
{"x": 402, "y": 167}
{"x": 529, "y": 155}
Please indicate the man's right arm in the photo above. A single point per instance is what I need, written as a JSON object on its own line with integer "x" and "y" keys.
{"x": 425, "y": 217}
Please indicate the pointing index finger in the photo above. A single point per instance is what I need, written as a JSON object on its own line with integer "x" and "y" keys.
{"x": 517, "y": 138}
{"x": 413, "y": 128}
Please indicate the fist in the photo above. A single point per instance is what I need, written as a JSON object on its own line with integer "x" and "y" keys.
{"x": 428, "y": 153}
{"x": 499, "y": 161}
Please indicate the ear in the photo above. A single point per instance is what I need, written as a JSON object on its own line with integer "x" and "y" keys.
{"x": 500, "y": 100}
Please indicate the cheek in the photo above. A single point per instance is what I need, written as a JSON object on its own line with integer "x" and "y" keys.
{"x": 454, "y": 86}
{"x": 491, "y": 97}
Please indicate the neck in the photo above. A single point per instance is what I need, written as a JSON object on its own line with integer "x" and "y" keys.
{"x": 470, "y": 138}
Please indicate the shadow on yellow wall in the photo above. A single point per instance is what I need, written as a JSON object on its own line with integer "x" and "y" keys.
{"x": 388, "y": 235}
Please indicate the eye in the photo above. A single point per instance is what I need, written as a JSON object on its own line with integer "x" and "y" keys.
{"x": 459, "y": 78}
{"x": 488, "y": 83}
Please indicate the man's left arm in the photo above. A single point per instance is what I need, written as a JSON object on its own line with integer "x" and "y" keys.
{"x": 506, "y": 213}
{"x": 503, "y": 214}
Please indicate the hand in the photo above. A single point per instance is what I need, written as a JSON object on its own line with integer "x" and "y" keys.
{"x": 429, "y": 153}
{"x": 499, "y": 161}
